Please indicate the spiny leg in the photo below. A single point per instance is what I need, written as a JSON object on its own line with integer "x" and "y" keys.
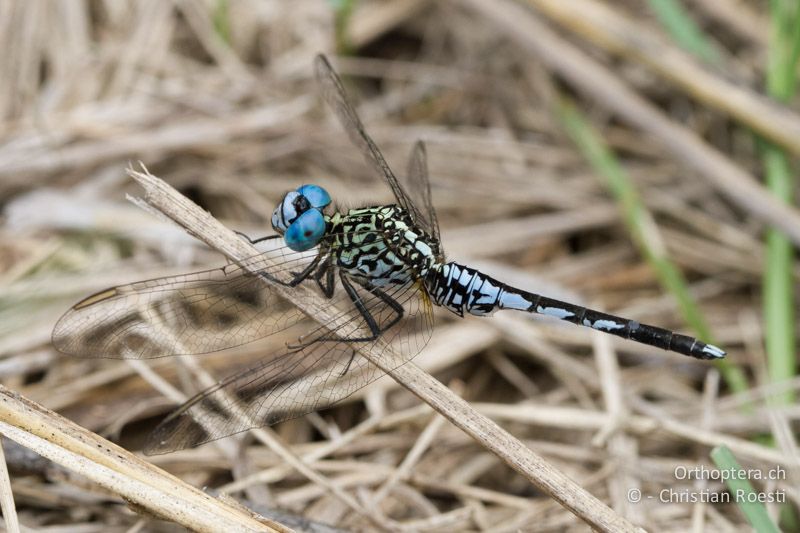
{"x": 251, "y": 241}
{"x": 371, "y": 322}
{"x": 258, "y": 240}
{"x": 388, "y": 300}
{"x": 325, "y": 270}
{"x": 298, "y": 276}
{"x": 369, "y": 319}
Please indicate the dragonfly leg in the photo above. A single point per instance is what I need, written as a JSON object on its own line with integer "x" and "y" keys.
{"x": 388, "y": 300}
{"x": 375, "y": 329}
{"x": 258, "y": 240}
{"x": 303, "y": 274}
{"x": 298, "y": 276}
{"x": 251, "y": 241}
{"x": 325, "y": 285}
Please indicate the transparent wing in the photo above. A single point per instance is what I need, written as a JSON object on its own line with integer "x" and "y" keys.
{"x": 193, "y": 313}
{"x": 305, "y": 378}
{"x": 419, "y": 190}
{"x": 334, "y": 94}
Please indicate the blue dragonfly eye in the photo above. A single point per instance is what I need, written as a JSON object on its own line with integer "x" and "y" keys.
{"x": 295, "y": 203}
{"x": 292, "y": 206}
{"x": 316, "y": 195}
{"x": 306, "y": 231}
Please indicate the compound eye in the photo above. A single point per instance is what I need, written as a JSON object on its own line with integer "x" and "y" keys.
{"x": 301, "y": 205}
{"x": 286, "y": 212}
{"x": 305, "y": 232}
{"x": 316, "y": 195}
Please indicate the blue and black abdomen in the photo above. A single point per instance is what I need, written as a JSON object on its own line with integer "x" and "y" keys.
{"x": 462, "y": 289}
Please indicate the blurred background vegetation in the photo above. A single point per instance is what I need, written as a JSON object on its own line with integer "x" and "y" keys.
{"x": 638, "y": 156}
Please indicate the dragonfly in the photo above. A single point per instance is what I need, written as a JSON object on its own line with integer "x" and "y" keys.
{"x": 376, "y": 270}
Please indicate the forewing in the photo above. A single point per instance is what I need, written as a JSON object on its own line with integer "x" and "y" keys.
{"x": 187, "y": 314}
{"x": 194, "y": 313}
{"x": 334, "y": 94}
{"x": 312, "y": 376}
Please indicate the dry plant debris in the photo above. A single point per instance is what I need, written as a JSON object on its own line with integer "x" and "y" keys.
{"x": 218, "y": 99}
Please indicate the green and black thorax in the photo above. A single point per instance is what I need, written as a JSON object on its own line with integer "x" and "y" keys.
{"x": 381, "y": 244}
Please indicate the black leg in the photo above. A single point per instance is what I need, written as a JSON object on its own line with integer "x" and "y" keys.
{"x": 302, "y": 275}
{"x": 251, "y": 241}
{"x": 375, "y": 329}
{"x": 298, "y": 276}
{"x": 388, "y": 300}
{"x": 258, "y": 240}
{"x": 325, "y": 270}
{"x": 368, "y": 318}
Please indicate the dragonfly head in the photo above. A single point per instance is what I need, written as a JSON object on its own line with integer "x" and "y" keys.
{"x": 299, "y": 217}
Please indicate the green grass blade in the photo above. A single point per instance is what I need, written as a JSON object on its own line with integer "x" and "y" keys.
{"x": 742, "y": 492}
{"x": 343, "y": 11}
{"x": 779, "y": 313}
{"x": 682, "y": 27}
{"x": 222, "y": 20}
